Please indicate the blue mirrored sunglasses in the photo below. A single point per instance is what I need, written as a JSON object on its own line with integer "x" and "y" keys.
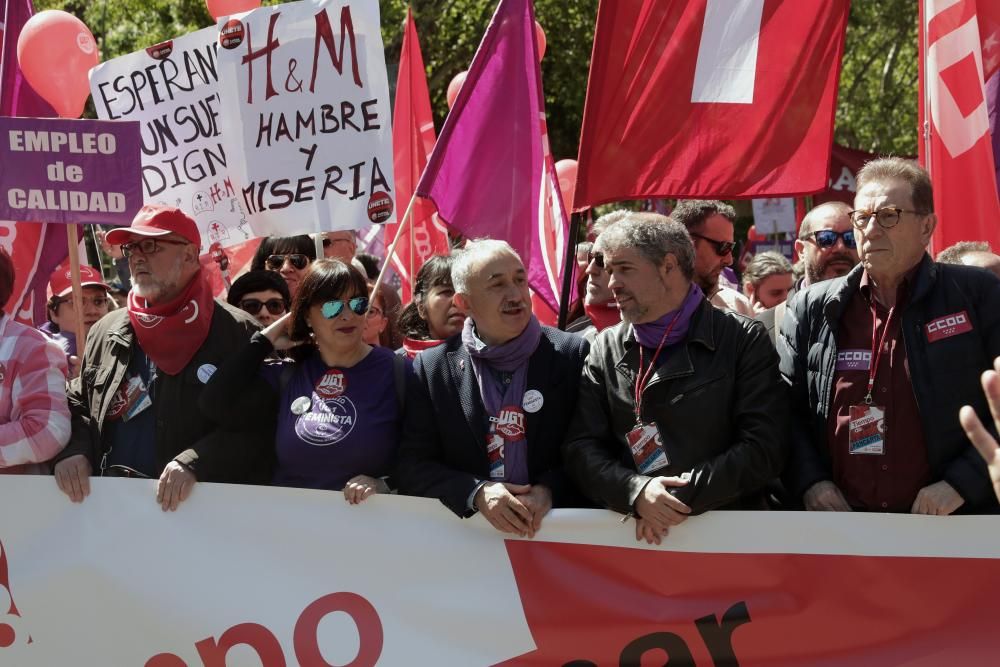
{"x": 358, "y": 305}
{"x": 827, "y": 238}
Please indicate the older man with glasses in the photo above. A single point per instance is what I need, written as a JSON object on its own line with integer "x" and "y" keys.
{"x": 135, "y": 403}
{"x": 881, "y": 360}
{"x": 710, "y": 224}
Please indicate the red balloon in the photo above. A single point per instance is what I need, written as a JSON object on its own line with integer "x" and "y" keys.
{"x": 566, "y": 173}
{"x": 220, "y": 8}
{"x": 56, "y": 51}
{"x": 454, "y": 87}
{"x": 540, "y": 38}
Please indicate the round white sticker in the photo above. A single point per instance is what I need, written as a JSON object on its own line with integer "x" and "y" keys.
{"x": 205, "y": 372}
{"x": 301, "y": 405}
{"x": 533, "y": 401}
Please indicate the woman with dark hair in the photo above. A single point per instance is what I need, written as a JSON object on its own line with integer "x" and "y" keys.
{"x": 381, "y": 323}
{"x": 335, "y": 389}
{"x": 432, "y": 316}
{"x": 289, "y": 256}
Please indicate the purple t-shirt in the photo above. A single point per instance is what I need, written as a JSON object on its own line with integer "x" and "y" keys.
{"x": 335, "y": 423}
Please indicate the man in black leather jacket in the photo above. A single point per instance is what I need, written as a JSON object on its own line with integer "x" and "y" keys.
{"x": 711, "y": 428}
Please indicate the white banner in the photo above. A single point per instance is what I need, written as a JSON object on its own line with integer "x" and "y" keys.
{"x": 172, "y": 89}
{"x": 305, "y": 106}
{"x": 774, "y": 216}
{"x": 272, "y": 577}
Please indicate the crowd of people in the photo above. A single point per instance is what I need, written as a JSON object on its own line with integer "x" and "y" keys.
{"x": 856, "y": 385}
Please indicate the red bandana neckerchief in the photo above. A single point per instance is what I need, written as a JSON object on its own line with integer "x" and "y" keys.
{"x": 413, "y": 346}
{"x": 603, "y": 315}
{"x": 171, "y": 333}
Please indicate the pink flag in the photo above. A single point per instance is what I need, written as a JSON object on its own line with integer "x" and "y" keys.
{"x": 412, "y": 142}
{"x": 37, "y": 248}
{"x": 490, "y": 174}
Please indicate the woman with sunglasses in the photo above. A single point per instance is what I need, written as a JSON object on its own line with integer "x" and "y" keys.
{"x": 335, "y": 405}
{"x": 288, "y": 256}
{"x": 262, "y": 294}
{"x": 432, "y": 316}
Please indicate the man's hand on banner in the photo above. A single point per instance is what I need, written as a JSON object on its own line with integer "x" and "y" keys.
{"x": 974, "y": 428}
{"x": 658, "y": 509}
{"x": 73, "y": 477}
{"x": 175, "y": 486}
{"x": 538, "y": 501}
{"x": 825, "y": 497}
{"x": 939, "y": 498}
{"x": 500, "y": 504}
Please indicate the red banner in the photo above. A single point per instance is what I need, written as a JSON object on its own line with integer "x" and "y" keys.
{"x": 709, "y": 98}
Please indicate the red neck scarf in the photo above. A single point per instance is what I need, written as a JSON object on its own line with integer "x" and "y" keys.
{"x": 413, "y": 346}
{"x": 603, "y": 315}
{"x": 171, "y": 333}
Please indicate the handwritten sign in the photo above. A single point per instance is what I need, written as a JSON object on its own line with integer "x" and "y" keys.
{"x": 172, "y": 89}
{"x": 305, "y": 107}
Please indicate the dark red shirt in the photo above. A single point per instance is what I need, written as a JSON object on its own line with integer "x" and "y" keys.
{"x": 886, "y": 482}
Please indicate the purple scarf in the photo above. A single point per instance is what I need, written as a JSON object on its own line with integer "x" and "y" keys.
{"x": 510, "y": 357}
{"x": 649, "y": 334}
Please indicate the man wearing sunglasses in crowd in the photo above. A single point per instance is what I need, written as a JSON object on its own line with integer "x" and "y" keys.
{"x": 342, "y": 245}
{"x": 135, "y": 403}
{"x": 599, "y": 307}
{"x": 827, "y": 248}
{"x": 881, "y": 360}
{"x": 710, "y": 224}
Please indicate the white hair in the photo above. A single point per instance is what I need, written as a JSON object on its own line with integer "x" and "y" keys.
{"x": 475, "y": 254}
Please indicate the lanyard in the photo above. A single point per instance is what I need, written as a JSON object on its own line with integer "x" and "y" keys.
{"x": 642, "y": 379}
{"x": 877, "y": 352}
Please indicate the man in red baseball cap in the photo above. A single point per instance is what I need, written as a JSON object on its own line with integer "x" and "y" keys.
{"x": 135, "y": 408}
{"x": 61, "y": 325}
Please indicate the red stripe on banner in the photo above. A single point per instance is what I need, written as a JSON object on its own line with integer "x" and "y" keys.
{"x": 590, "y": 605}
{"x": 950, "y": 19}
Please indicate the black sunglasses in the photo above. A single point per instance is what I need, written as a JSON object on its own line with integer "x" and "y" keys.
{"x": 597, "y": 258}
{"x": 253, "y": 306}
{"x": 722, "y": 248}
{"x": 827, "y": 238}
{"x": 275, "y": 262}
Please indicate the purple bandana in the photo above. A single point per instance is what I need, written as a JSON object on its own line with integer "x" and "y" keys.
{"x": 649, "y": 334}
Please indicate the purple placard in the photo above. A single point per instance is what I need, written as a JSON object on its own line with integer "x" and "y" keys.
{"x": 65, "y": 171}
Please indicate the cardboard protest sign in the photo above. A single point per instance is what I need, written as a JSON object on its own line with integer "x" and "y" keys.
{"x": 305, "y": 107}
{"x": 69, "y": 171}
{"x": 172, "y": 89}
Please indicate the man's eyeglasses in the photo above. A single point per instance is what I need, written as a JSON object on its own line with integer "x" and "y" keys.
{"x": 275, "y": 262}
{"x": 253, "y": 306}
{"x": 827, "y": 238}
{"x": 333, "y": 308}
{"x": 147, "y": 246}
{"x": 597, "y": 258}
{"x": 886, "y": 217}
{"x": 722, "y": 248}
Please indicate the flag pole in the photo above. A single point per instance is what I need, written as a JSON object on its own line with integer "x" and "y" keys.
{"x": 568, "y": 268}
{"x": 400, "y": 228}
{"x": 73, "y": 240}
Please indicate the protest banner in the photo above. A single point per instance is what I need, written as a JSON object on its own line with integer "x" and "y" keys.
{"x": 243, "y": 575}
{"x": 305, "y": 107}
{"x": 172, "y": 90}
{"x": 69, "y": 171}
{"x": 774, "y": 215}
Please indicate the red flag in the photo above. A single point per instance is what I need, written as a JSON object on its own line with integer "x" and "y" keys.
{"x": 413, "y": 141}
{"x": 710, "y": 98}
{"x": 957, "y": 146}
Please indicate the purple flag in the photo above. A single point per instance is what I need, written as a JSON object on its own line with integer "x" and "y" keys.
{"x": 487, "y": 174}
{"x": 36, "y": 248}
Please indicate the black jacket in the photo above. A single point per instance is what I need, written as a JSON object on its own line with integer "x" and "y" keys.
{"x": 443, "y": 450}
{"x": 945, "y": 374}
{"x": 717, "y": 399}
{"x": 183, "y": 433}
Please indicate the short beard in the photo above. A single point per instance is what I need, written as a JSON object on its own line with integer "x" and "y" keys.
{"x": 157, "y": 287}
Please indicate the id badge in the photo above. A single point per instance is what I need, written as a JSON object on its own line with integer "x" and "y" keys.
{"x": 646, "y": 446}
{"x": 866, "y": 432}
{"x": 136, "y": 398}
{"x": 494, "y": 452}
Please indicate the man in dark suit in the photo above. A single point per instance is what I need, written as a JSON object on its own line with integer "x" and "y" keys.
{"x": 487, "y": 411}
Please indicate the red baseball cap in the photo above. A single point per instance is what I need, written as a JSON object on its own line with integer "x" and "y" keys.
{"x": 61, "y": 282}
{"x": 157, "y": 220}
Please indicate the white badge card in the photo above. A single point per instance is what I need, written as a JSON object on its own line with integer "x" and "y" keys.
{"x": 866, "y": 431}
{"x": 494, "y": 452}
{"x": 647, "y": 449}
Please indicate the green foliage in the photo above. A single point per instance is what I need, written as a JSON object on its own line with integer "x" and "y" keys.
{"x": 876, "y": 108}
